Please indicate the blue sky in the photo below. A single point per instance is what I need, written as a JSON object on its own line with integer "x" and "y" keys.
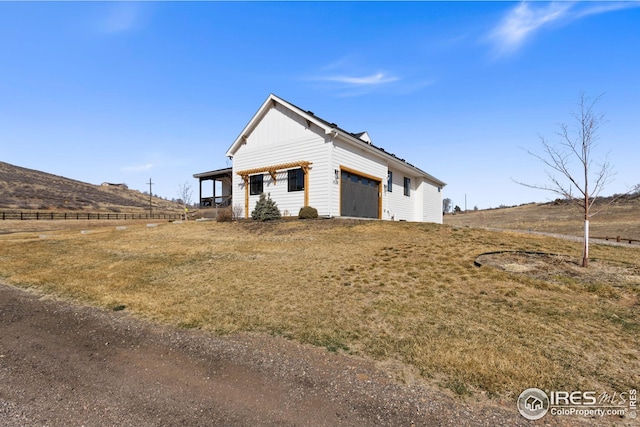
{"x": 124, "y": 92}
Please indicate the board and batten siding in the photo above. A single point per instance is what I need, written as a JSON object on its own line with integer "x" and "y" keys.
{"x": 281, "y": 137}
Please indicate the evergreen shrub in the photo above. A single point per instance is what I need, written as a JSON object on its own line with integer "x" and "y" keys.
{"x": 266, "y": 209}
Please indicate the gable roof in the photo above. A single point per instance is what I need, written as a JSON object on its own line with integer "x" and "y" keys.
{"x": 360, "y": 139}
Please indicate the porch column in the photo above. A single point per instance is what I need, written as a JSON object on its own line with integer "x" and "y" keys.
{"x": 245, "y": 178}
{"x": 305, "y": 171}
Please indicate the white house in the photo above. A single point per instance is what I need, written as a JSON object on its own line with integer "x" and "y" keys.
{"x": 303, "y": 160}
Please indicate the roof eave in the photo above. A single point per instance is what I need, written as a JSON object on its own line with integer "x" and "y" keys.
{"x": 217, "y": 172}
{"x": 379, "y": 152}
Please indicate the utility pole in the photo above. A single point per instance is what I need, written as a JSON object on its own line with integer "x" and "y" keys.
{"x": 150, "y": 196}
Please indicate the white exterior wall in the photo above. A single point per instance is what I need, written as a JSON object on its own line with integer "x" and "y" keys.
{"x": 418, "y": 201}
{"x": 432, "y": 203}
{"x": 283, "y": 137}
{"x": 396, "y": 204}
{"x": 282, "y": 134}
{"x": 358, "y": 160}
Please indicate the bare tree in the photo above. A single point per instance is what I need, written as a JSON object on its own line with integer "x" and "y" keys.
{"x": 236, "y": 212}
{"x": 583, "y": 183}
{"x": 446, "y": 205}
{"x": 185, "y": 193}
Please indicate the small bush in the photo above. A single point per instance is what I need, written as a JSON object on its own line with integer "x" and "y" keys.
{"x": 307, "y": 212}
{"x": 266, "y": 209}
{"x": 236, "y": 212}
{"x": 224, "y": 215}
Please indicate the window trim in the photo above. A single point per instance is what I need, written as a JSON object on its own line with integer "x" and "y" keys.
{"x": 256, "y": 181}
{"x": 297, "y": 179}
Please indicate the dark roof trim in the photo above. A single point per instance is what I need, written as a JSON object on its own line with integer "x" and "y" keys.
{"x": 215, "y": 173}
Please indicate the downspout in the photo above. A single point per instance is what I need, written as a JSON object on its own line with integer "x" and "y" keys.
{"x": 385, "y": 195}
{"x": 331, "y": 167}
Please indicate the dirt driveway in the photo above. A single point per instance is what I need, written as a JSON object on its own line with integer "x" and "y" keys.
{"x": 62, "y": 364}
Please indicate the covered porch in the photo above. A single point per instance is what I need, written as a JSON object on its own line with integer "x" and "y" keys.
{"x": 217, "y": 193}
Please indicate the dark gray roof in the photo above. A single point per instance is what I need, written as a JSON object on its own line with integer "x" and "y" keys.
{"x": 357, "y": 137}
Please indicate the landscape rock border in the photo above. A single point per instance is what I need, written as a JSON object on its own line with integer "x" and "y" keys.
{"x": 479, "y": 264}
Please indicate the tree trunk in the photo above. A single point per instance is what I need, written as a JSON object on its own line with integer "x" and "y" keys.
{"x": 585, "y": 253}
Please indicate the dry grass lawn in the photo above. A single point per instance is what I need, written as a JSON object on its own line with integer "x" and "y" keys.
{"x": 407, "y": 295}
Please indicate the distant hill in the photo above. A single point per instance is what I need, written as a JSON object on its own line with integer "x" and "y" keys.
{"x": 621, "y": 218}
{"x": 27, "y": 189}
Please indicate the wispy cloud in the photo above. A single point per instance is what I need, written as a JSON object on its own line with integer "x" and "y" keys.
{"x": 597, "y": 8}
{"x": 137, "y": 168}
{"x": 351, "y": 75}
{"x": 347, "y": 84}
{"x": 370, "y": 80}
{"x": 121, "y": 17}
{"x": 522, "y": 22}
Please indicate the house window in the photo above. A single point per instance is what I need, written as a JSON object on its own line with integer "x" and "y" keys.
{"x": 255, "y": 184}
{"x": 390, "y": 182}
{"x": 296, "y": 179}
{"x": 407, "y": 186}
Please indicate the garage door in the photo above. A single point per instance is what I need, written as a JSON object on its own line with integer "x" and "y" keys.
{"x": 359, "y": 196}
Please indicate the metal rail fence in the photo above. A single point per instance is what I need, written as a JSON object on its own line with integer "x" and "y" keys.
{"x": 24, "y": 216}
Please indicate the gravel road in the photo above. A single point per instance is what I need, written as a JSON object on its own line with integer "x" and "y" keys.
{"x": 63, "y": 364}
